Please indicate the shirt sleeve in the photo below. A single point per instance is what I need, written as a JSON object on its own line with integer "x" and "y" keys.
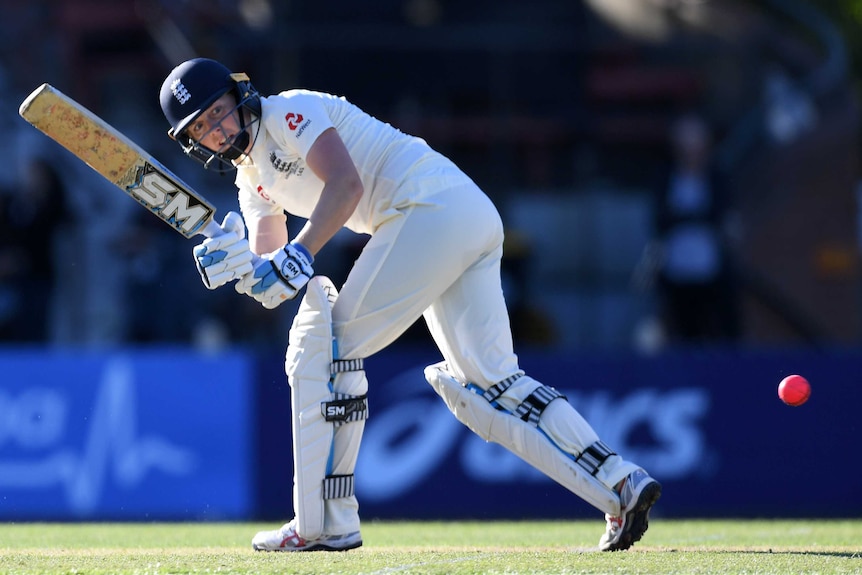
{"x": 253, "y": 207}
{"x": 297, "y": 119}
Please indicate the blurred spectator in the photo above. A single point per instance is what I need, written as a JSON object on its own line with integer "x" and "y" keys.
{"x": 31, "y": 218}
{"x": 156, "y": 312}
{"x": 695, "y": 278}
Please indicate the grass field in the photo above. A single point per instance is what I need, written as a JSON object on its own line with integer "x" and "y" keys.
{"x": 670, "y": 546}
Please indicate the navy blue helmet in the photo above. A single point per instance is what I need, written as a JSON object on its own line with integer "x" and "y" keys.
{"x": 190, "y": 89}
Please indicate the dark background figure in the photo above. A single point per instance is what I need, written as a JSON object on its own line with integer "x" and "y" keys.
{"x": 696, "y": 285}
{"x": 30, "y": 217}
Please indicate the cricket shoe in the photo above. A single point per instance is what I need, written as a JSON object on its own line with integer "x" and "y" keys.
{"x": 286, "y": 539}
{"x": 638, "y": 494}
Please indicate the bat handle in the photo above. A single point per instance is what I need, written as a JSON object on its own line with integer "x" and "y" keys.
{"x": 212, "y": 229}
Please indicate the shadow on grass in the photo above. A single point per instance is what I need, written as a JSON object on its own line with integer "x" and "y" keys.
{"x": 843, "y": 554}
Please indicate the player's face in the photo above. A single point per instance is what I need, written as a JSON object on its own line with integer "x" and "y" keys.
{"x": 218, "y": 126}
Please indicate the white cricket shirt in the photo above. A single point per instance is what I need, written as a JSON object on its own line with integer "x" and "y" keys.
{"x": 277, "y": 178}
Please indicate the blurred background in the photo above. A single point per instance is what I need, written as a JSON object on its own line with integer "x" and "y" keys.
{"x": 679, "y": 180}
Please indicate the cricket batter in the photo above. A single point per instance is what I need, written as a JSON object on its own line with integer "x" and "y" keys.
{"x": 434, "y": 251}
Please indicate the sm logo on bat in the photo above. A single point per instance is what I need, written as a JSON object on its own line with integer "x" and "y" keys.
{"x": 172, "y": 202}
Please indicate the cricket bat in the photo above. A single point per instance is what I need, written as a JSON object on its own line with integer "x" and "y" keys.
{"x": 120, "y": 161}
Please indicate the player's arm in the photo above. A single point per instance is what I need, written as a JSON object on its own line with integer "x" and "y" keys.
{"x": 279, "y": 275}
{"x": 330, "y": 161}
{"x": 267, "y": 234}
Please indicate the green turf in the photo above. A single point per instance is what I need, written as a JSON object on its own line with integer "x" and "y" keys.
{"x": 721, "y": 547}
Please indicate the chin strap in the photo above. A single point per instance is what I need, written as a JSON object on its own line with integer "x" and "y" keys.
{"x": 248, "y": 99}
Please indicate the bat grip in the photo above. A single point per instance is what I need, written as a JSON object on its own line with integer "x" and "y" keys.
{"x": 212, "y": 229}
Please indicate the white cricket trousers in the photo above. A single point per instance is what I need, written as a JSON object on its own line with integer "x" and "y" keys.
{"x": 438, "y": 257}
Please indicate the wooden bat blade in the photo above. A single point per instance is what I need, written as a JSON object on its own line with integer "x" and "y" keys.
{"x": 121, "y": 161}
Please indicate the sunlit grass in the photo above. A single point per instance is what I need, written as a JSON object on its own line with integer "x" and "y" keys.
{"x": 452, "y": 548}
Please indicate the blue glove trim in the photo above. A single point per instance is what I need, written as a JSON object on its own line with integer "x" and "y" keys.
{"x": 208, "y": 259}
{"x": 303, "y": 250}
{"x": 268, "y": 275}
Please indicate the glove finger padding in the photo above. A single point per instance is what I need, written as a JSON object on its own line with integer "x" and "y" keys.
{"x": 236, "y": 264}
{"x": 225, "y": 257}
{"x": 277, "y": 277}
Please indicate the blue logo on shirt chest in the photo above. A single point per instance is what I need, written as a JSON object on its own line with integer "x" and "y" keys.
{"x": 286, "y": 168}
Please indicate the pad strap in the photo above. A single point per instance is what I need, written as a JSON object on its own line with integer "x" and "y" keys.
{"x": 345, "y": 408}
{"x": 593, "y": 456}
{"x": 495, "y": 391}
{"x": 534, "y": 404}
{"x": 529, "y": 410}
{"x": 337, "y": 486}
{"x": 340, "y": 365}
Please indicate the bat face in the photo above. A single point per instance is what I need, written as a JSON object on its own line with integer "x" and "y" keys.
{"x": 119, "y": 160}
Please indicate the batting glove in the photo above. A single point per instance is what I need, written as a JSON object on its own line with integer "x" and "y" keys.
{"x": 278, "y": 276}
{"x": 225, "y": 257}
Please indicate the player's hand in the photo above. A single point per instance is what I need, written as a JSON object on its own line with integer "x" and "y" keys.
{"x": 278, "y": 276}
{"x": 225, "y": 257}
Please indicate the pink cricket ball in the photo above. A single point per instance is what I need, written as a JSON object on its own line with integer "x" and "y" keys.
{"x": 794, "y": 390}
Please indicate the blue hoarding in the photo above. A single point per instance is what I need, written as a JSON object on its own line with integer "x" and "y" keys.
{"x": 157, "y": 434}
{"x": 169, "y": 434}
